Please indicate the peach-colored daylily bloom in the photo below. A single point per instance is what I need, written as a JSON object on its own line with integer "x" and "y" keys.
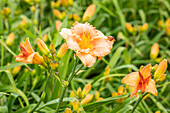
{"x": 87, "y": 42}
{"x": 27, "y": 54}
{"x": 141, "y": 80}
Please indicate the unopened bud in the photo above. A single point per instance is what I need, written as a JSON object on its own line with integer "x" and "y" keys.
{"x": 58, "y": 25}
{"x": 79, "y": 92}
{"x": 42, "y": 46}
{"x": 64, "y": 2}
{"x": 62, "y": 51}
{"x": 86, "y": 89}
{"x": 6, "y": 12}
{"x": 158, "y": 112}
{"x": 167, "y": 30}
{"x": 154, "y": 51}
{"x": 167, "y": 23}
{"x": 75, "y": 105}
{"x": 54, "y": 66}
{"x": 87, "y": 99}
{"x": 16, "y": 70}
{"x": 63, "y": 14}
{"x": 45, "y": 37}
{"x": 129, "y": 27}
{"x": 58, "y": 14}
{"x": 52, "y": 48}
{"x": 145, "y": 27}
{"x": 89, "y": 12}
{"x": 68, "y": 110}
{"x": 97, "y": 95}
{"x": 72, "y": 94}
{"x": 161, "y": 69}
{"x": 76, "y": 17}
{"x": 10, "y": 39}
{"x": 52, "y": 3}
{"x": 57, "y": 4}
{"x": 35, "y": 22}
{"x": 120, "y": 89}
{"x": 99, "y": 99}
{"x": 32, "y": 8}
{"x": 70, "y": 16}
{"x": 70, "y": 2}
{"x": 161, "y": 78}
{"x": 160, "y": 23}
{"x": 114, "y": 94}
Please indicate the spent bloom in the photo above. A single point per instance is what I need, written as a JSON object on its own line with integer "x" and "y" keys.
{"x": 141, "y": 80}
{"x": 87, "y": 42}
{"x": 27, "y": 54}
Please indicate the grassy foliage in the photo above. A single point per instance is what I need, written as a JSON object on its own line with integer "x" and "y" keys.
{"x": 21, "y": 91}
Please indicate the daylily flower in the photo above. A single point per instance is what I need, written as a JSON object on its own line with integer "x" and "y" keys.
{"x": 87, "y": 42}
{"x": 141, "y": 80}
{"x": 27, "y": 54}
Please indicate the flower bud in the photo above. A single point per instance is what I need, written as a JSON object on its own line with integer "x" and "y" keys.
{"x": 33, "y": 72}
{"x": 52, "y": 48}
{"x": 45, "y": 37}
{"x": 72, "y": 94}
{"x": 16, "y": 70}
{"x": 107, "y": 72}
{"x": 75, "y": 105}
{"x": 62, "y": 51}
{"x": 54, "y": 66}
{"x": 129, "y": 27}
{"x": 167, "y": 23}
{"x": 161, "y": 78}
{"x": 46, "y": 59}
{"x": 6, "y": 12}
{"x": 68, "y": 110}
{"x": 70, "y": 2}
{"x": 64, "y": 2}
{"x": 145, "y": 27}
{"x": 76, "y": 17}
{"x": 86, "y": 89}
{"x": 52, "y": 3}
{"x": 10, "y": 39}
{"x": 89, "y": 12}
{"x": 58, "y": 14}
{"x": 97, "y": 95}
{"x": 99, "y": 99}
{"x": 167, "y": 30}
{"x": 58, "y": 25}
{"x": 160, "y": 23}
{"x": 32, "y": 8}
{"x": 155, "y": 67}
{"x": 70, "y": 16}
{"x": 35, "y": 22}
{"x": 79, "y": 92}
{"x": 157, "y": 112}
{"x": 161, "y": 69}
{"x": 57, "y": 4}
{"x": 42, "y": 46}
{"x": 87, "y": 99}
{"x": 23, "y": 22}
{"x": 63, "y": 14}
{"x": 114, "y": 94}
{"x": 154, "y": 51}
{"x": 120, "y": 89}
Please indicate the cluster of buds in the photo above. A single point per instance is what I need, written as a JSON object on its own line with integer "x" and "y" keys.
{"x": 6, "y": 12}
{"x": 59, "y": 3}
{"x": 121, "y": 91}
{"x": 84, "y": 95}
{"x": 165, "y": 25}
{"x": 159, "y": 71}
{"x": 135, "y": 29}
{"x": 75, "y": 106}
{"x": 106, "y": 73}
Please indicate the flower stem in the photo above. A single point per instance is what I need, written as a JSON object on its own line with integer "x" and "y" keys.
{"x": 64, "y": 88}
{"x": 137, "y": 102}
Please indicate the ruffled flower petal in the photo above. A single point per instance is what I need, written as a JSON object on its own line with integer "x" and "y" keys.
{"x": 146, "y": 71}
{"x": 87, "y": 59}
{"x": 131, "y": 79}
{"x": 65, "y": 33}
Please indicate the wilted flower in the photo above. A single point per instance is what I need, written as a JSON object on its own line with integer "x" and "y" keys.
{"x": 87, "y": 99}
{"x": 89, "y": 12}
{"x": 154, "y": 51}
{"x": 87, "y": 42}
{"x": 58, "y": 25}
{"x": 10, "y": 39}
{"x": 141, "y": 80}
{"x": 27, "y": 54}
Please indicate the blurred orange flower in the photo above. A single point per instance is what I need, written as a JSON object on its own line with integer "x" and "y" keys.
{"x": 27, "y": 54}
{"x": 141, "y": 80}
{"x": 87, "y": 42}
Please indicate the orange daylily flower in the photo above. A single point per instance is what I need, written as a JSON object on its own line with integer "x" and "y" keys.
{"x": 141, "y": 80}
{"x": 27, "y": 54}
{"x": 87, "y": 42}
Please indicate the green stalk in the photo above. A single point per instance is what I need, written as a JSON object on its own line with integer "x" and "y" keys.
{"x": 42, "y": 96}
{"x": 2, "y": 53}
{"x": 64, "y": 88}
{"x": 137, "y": 102}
